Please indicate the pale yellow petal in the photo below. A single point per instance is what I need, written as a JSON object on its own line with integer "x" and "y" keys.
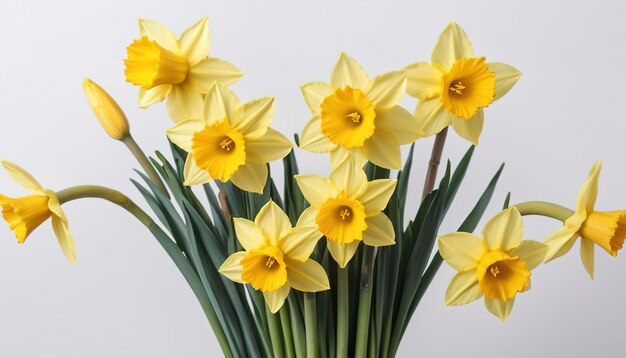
{"x": 22, "y": 177}
{"x": 312, "y": 138}
{"x": 194, "y": 175}
{"x": 349, "y": 176}
{"x": 195, "y": 42}
{"x": 59, "y": 225}
{"x": 463, "y": 289}
{"x": 387, "y": 90}
{"x": 470, "y": 129}
{"x": 307, "y": 276}
{"x": 300, "y": 242}
{"x": 249, "y": 235}
{"x": 359, "y": 155}
{"x": 506, "y": 77}
{"x": 562, "y": 240}
{"x": 211, "y": 69}
{"x": 184, "y": 102}
{"x": 432, "y": 117}
{"x": 461, "y": 250}
{"x": 231, "y": 268}
{"x": 307, "y": 218}
{"x": 532, "y": 252}
{"x": 379, "y": 231}
{"x": 255, "y": 117}
{"x": 384, "y": 150}
{"x": 273, "y": 221}
{"x": 586, "y": 255}
{"x": 314, "y": 94}
{"x": 500, "y": 308}
{"x": 182, "y": 132}
{"x": 153, "y": 95}
{"x": 348, "y": 72}
{"x": 316, "y": 189}
{"x": 376, "y": 195}
{"x": 276, "y": 299}
{"x": 453, "y": 44}
{"x": 251, "y": 177}
{"x": 342, "y": 253}
{"x": 400, "y": 123}
{"x": 423, "y": 80}
{"x": 504, "y": 231}
{"x": 269, "y": 147}
{"x": 214, "y": 108}
{"x": 160, "y": 33}
{"x": 588, "y": 194}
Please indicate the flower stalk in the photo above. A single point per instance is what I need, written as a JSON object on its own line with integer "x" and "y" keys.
{"x": 544, "y": 208}
{"x": 141, "y": 157}
{"x": 343, "y": 311}
{"x": 310, "y": 323}
{"x": 433, "y": 164}
{"x": 365, "y": 300}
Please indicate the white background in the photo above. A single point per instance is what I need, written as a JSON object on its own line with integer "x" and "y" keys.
{"x": 124, "y": 298}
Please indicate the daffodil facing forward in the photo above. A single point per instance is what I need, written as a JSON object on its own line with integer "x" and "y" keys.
{"x": 230, "y": 141}
{"x": 347, "y": 209}
{"x": 605, "y": 229}
{"x": 178, "y": 69}
{"x": 497, "y": 266}
{"x": 455, "y": 87}
{"x": 276, "y": 256}
{"x": 26, "y": 213}
{"x": 358, "y": 115}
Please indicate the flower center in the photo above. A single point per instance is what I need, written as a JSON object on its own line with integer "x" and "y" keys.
{"x": 149, "y": 65}
{"x": 467, "y": 87}
{"x": 265, "y": 268}
{"x": 606, "y": 229}
{"x": 501, "y": 276}
{"x": 342, "y": 219}
{"x": 25, "y": 214}
{"x": 219, "y": 149}
{"x": 348, "y": 117}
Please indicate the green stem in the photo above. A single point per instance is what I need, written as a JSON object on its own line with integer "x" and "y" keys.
{"x": 310, "y": 323}
{"x": 286, "y": 326}
{"x": 544, "y": 208}
{"x": 275, "y": 333}
{"x": 365, "y": 301}
{"x": 145, "y": 163}
{"x": 297, "y": 326}
{"x": 343, "y": 311}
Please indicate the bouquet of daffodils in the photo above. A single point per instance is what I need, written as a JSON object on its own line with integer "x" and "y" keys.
{"x": 326, "y": 266}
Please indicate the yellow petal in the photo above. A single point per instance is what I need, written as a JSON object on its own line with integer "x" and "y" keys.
{"x": 376, "y": 195}
{"x": 211, "y": 69}
{"x": 231, "y": 268}
{"x": 506, "y": 78}
{"x": 463, "y": 289}
{"x": 59, "y": 225}
{"x": 184, "y": 102}
{"x": 562, "y": 240}
{"x": 316, "y": 189}
{"x": 269, "y": 147}
{"x": 214, "y": 107}
{"x": 588, "y": 194}
{"x": 379, "y": 231}
{"x": 256, "y": 116}
{"x": 22, "y": 177}
{"x": 300, "y": 242}
{"x": 532, "y": 252}
{"x": 307, "y": 218}
{"x": 193, "y": 174}
{"x": 312, "y": 138}
{"x": 423, "y": 80}
{"x": 500, "y": 308}
{"x": 387, "y": 90}
{"x": 470, "y": 129}
{"x": 348, "y": 72}
{"x": 432, "y": 116}
{"x": 359, "y": 156}
{"x": 160, "y": 33}
{"x": 384, "y": 150}
{"x": 195, "y": 42}
{"x": 586, "y": 255}
{"x": 182, "y": 132}
{"x": 400, "y": 123}
{"x": 348, "y": 176}
{"x": 314, "y": 94}
{"x": 276, "y": 299}
{"x": 273, "y": 221}
{"x": 153, "y": 95}
{"x": 250, "y": 236}
{"x": 342, "y": 253}
{"x": 453, "y": 44}
{"x": 504, "y": 231}
{"x": 251, "y": 177}
{"x": 461, "y": 250}
{"x": 307, "y": 276}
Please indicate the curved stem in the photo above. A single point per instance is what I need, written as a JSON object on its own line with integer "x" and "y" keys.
{"x": 144, "y": 162}
{"x": 433, "y": 164}
{"x": 544, "y": 208}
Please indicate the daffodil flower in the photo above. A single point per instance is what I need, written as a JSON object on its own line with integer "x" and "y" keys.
{"x": 230, "y": 141}
{"x": 26, "y": 213}
{"x": 356, "y": 115}
{"x": 605, "y": 229}
{"x": 178, "y": 69}
{"x": 455, "y": 87}
{"x": 276, "y": 257}
{"x": 497, "y": 266}
{"x": 347, "y": 209}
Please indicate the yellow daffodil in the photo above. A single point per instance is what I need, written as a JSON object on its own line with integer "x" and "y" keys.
{"x": 25, "y": 214}
{"x": 230, "y": 141}
{"x": 605, "y": 229}
{"x": 276, "y": 256}
{"x": 455, "y": 87}
{"x": 497, "y": 266}
{"x": 178, "y": 69}
{"x": 108, "y": 112}
{"x": 356, "y": 115}
{"x": 347, "y": 209}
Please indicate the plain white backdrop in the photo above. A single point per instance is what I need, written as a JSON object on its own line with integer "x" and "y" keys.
{"x": 124, "y": 298}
